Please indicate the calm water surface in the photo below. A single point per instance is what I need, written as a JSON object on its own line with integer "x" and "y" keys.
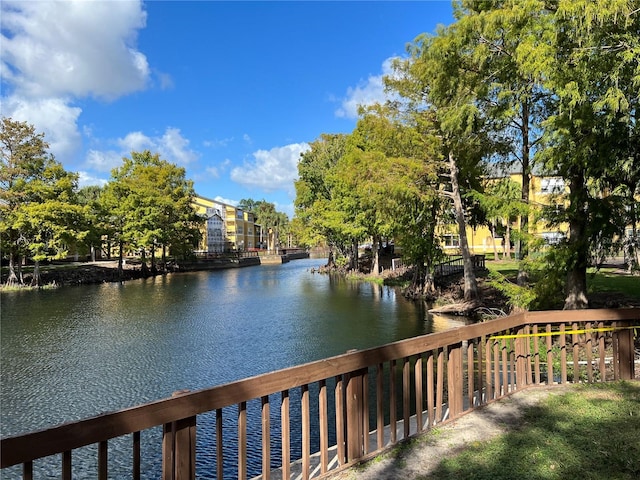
{"x": 78, "y": 351}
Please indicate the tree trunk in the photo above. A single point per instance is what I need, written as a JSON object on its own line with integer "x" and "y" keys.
{"x": 154, "y": 269}
{"x": 12, "y": 279}
{"x": 35, "y": 280}
{"x": 331, "y": 260}
{"x": 470, "y": 284}
{"x": 353, "y": 258}
{"x": 120, "y": 258}
{"x": 493, "y": 238}
{"x": 576, "y": 290}
{"x": 506, "y": 251}
{"x": 375, "y": 252}
{"x": 164, "y": 257}
{"x": 523, "y": 276}
{"x": 632, "y": 246}
{"x": 144, "y": 270}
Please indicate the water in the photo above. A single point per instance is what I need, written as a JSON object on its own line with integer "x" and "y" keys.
{"x": 75, "y": 352}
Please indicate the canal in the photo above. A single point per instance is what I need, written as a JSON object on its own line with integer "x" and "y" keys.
{"x": 79, "y": 351}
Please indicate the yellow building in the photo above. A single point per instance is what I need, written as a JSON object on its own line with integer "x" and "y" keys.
{"x": 544, "y": 191}
{"x": 228, "y": 228}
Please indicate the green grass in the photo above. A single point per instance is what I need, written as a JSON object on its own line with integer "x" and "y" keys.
{"x": 604, "y": 280}
{"x": 508, "y": 268}
{"x": 608, "y": 280}
{"x": 592, "y": 432}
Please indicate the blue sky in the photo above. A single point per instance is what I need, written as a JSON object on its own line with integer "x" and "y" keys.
{"x": 232, "y": 91}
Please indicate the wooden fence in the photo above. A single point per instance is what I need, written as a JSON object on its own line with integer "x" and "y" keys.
{"x": 351, "y": 406}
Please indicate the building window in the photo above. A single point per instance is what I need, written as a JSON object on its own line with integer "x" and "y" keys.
{"x": 552, "y": 185}
{"x": 552, "y": 238}
{"x": 451, "y": 240}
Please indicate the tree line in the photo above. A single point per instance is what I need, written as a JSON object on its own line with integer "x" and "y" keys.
{"x": 146, "y": 207}
{"x": 549, "y": 87}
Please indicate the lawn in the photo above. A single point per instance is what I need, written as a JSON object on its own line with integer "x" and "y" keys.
{"x": 592, "y": 432}
{"x": 609, "y": 280}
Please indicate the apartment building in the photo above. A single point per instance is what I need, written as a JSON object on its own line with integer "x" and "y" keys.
{"x": 227, "y": 227}
{"x": 544, "y": 191}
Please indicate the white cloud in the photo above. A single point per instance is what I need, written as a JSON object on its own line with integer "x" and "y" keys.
{"x": 85, "y": 179}
{"x": 135, "y": 142}
{"x": 171, "y": 146}
{"x": 226, "y": 201}
{"x": 175, "y": 148}
{"x": 367, "y": 92}
{"x": 271, "y": 170}
{"x": 104, "y": 161}
{"x": 52, "y": 116}
{"x": 55, "y": 52}
{"x": 73, "y": 48}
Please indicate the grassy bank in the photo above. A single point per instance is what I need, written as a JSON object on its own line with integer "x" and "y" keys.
{"x": 592, "y": 432}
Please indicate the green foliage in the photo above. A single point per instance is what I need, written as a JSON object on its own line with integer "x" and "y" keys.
{"x": 39, "y": 215}
{"x": 150, "y": 203}
{"x": 519, "y": 297}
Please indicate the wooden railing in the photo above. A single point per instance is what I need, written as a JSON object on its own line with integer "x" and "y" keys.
{"x": 347, "y": 407}
{"x": 456, "y": 265}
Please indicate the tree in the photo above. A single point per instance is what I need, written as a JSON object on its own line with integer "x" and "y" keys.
{"x": 150, "y": 203}
{"x": 89, "y": 198}
{"x": 315, "y": 194}
{"x": 269, "y": 219}
{"x": 502, "y": 40}
{"x": 592, "y": 71}
{"x": 436, "y": 80}
{"x": 40, "y": 216}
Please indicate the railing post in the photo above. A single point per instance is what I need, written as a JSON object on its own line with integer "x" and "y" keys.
{"x": 355, "y": 396}
{"x": 179, "y": 448}
{"x": 625, "y": 360}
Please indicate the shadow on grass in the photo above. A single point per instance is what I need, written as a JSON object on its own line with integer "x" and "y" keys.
{"x": 590, "y": 433}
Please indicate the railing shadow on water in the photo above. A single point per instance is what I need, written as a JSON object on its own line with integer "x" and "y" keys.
{"x": 313, "y": 419}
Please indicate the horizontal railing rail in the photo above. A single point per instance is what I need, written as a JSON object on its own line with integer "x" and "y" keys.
{"x": 352, "y": 405}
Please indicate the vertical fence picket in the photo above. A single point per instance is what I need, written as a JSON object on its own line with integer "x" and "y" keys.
{"x": 380, "y": 405}
{"x": 470, "y": 373}
{"x": 550, "y": 378}
{"x": 66, "y": 465}
{"x": 439, "y": 385}
{"x": 135, "y": 464}
{"x": 324, "y": 426}
{"x": 339, "y": 402}
{"x": 563, "y": 354}
{"x": 102, "y": 460}
{"x": 266, "y": 437}
{"x": 430, "y": 390}
{"x": 306, "y": 431}
{"x": 417, "y": 372}
{"x": 406, "y": 395}
{"x": 589, "y": 351}
{"x": 601, "y": 353}
{"x": 242, "y": 441}
{"x": 219, "y": 446}
{"x": 392, "y": 402}
{"x": 27, "y": 471}
{"x": 616, "y": 351}
{"x": 285, "y": 428}
{"x": 536, "y": 355}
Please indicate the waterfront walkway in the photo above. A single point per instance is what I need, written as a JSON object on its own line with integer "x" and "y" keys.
{"x": 419, "y": 457}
